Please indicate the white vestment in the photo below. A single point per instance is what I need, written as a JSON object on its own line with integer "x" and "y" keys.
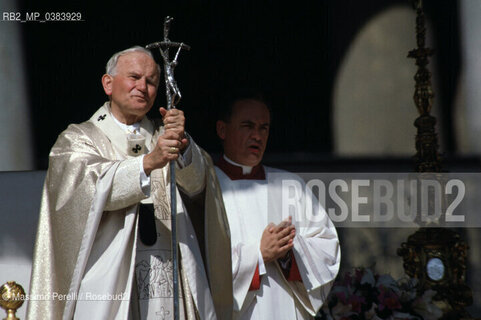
{"x": 251, "y": 205}
{"x": 85, "y": 251}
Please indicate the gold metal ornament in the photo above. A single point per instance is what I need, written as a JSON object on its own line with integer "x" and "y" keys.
{"x": 12, "y": 297}
{"x": 433, "y": 255}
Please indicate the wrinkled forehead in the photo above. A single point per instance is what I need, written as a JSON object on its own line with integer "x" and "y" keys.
{"x": 138, "y": 61}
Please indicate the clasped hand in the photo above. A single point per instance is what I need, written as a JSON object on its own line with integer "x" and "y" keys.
{"x": 170, "y": 144}
{"x": 277, "y": 240}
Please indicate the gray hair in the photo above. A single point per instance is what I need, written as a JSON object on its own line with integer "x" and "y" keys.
{"x": 111, "y": 67}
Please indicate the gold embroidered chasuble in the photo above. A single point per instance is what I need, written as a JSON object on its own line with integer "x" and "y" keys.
{"x": 87, "y": 235}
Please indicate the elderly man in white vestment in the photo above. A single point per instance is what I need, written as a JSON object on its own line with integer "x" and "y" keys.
{"x": 282, "y": 268}
{"x": 103, "y": 248}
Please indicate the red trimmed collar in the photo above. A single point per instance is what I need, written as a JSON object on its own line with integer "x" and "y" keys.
{"x": 235, "y": 172}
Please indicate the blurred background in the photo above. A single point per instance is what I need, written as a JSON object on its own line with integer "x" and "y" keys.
{"x": 336, "y": 74}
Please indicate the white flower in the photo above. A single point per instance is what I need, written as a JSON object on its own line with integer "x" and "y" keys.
{"x": 387, "y": 281}
{"x": 341, "y": 311}
{"x": 368, "y": 277}
{"x": 426, "y": 308}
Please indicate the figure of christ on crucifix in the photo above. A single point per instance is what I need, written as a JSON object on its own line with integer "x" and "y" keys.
{"x": 172, "y": 90}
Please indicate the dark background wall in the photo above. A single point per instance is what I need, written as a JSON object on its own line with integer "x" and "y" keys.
{"x": 289, "y": 50}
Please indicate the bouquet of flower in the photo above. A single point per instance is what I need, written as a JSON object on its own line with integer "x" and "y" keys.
{"x": 361, "y": 294}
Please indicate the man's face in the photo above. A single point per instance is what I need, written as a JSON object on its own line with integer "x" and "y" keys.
{"x": 133, "y": 88}
{"x": 245, "y": 135}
